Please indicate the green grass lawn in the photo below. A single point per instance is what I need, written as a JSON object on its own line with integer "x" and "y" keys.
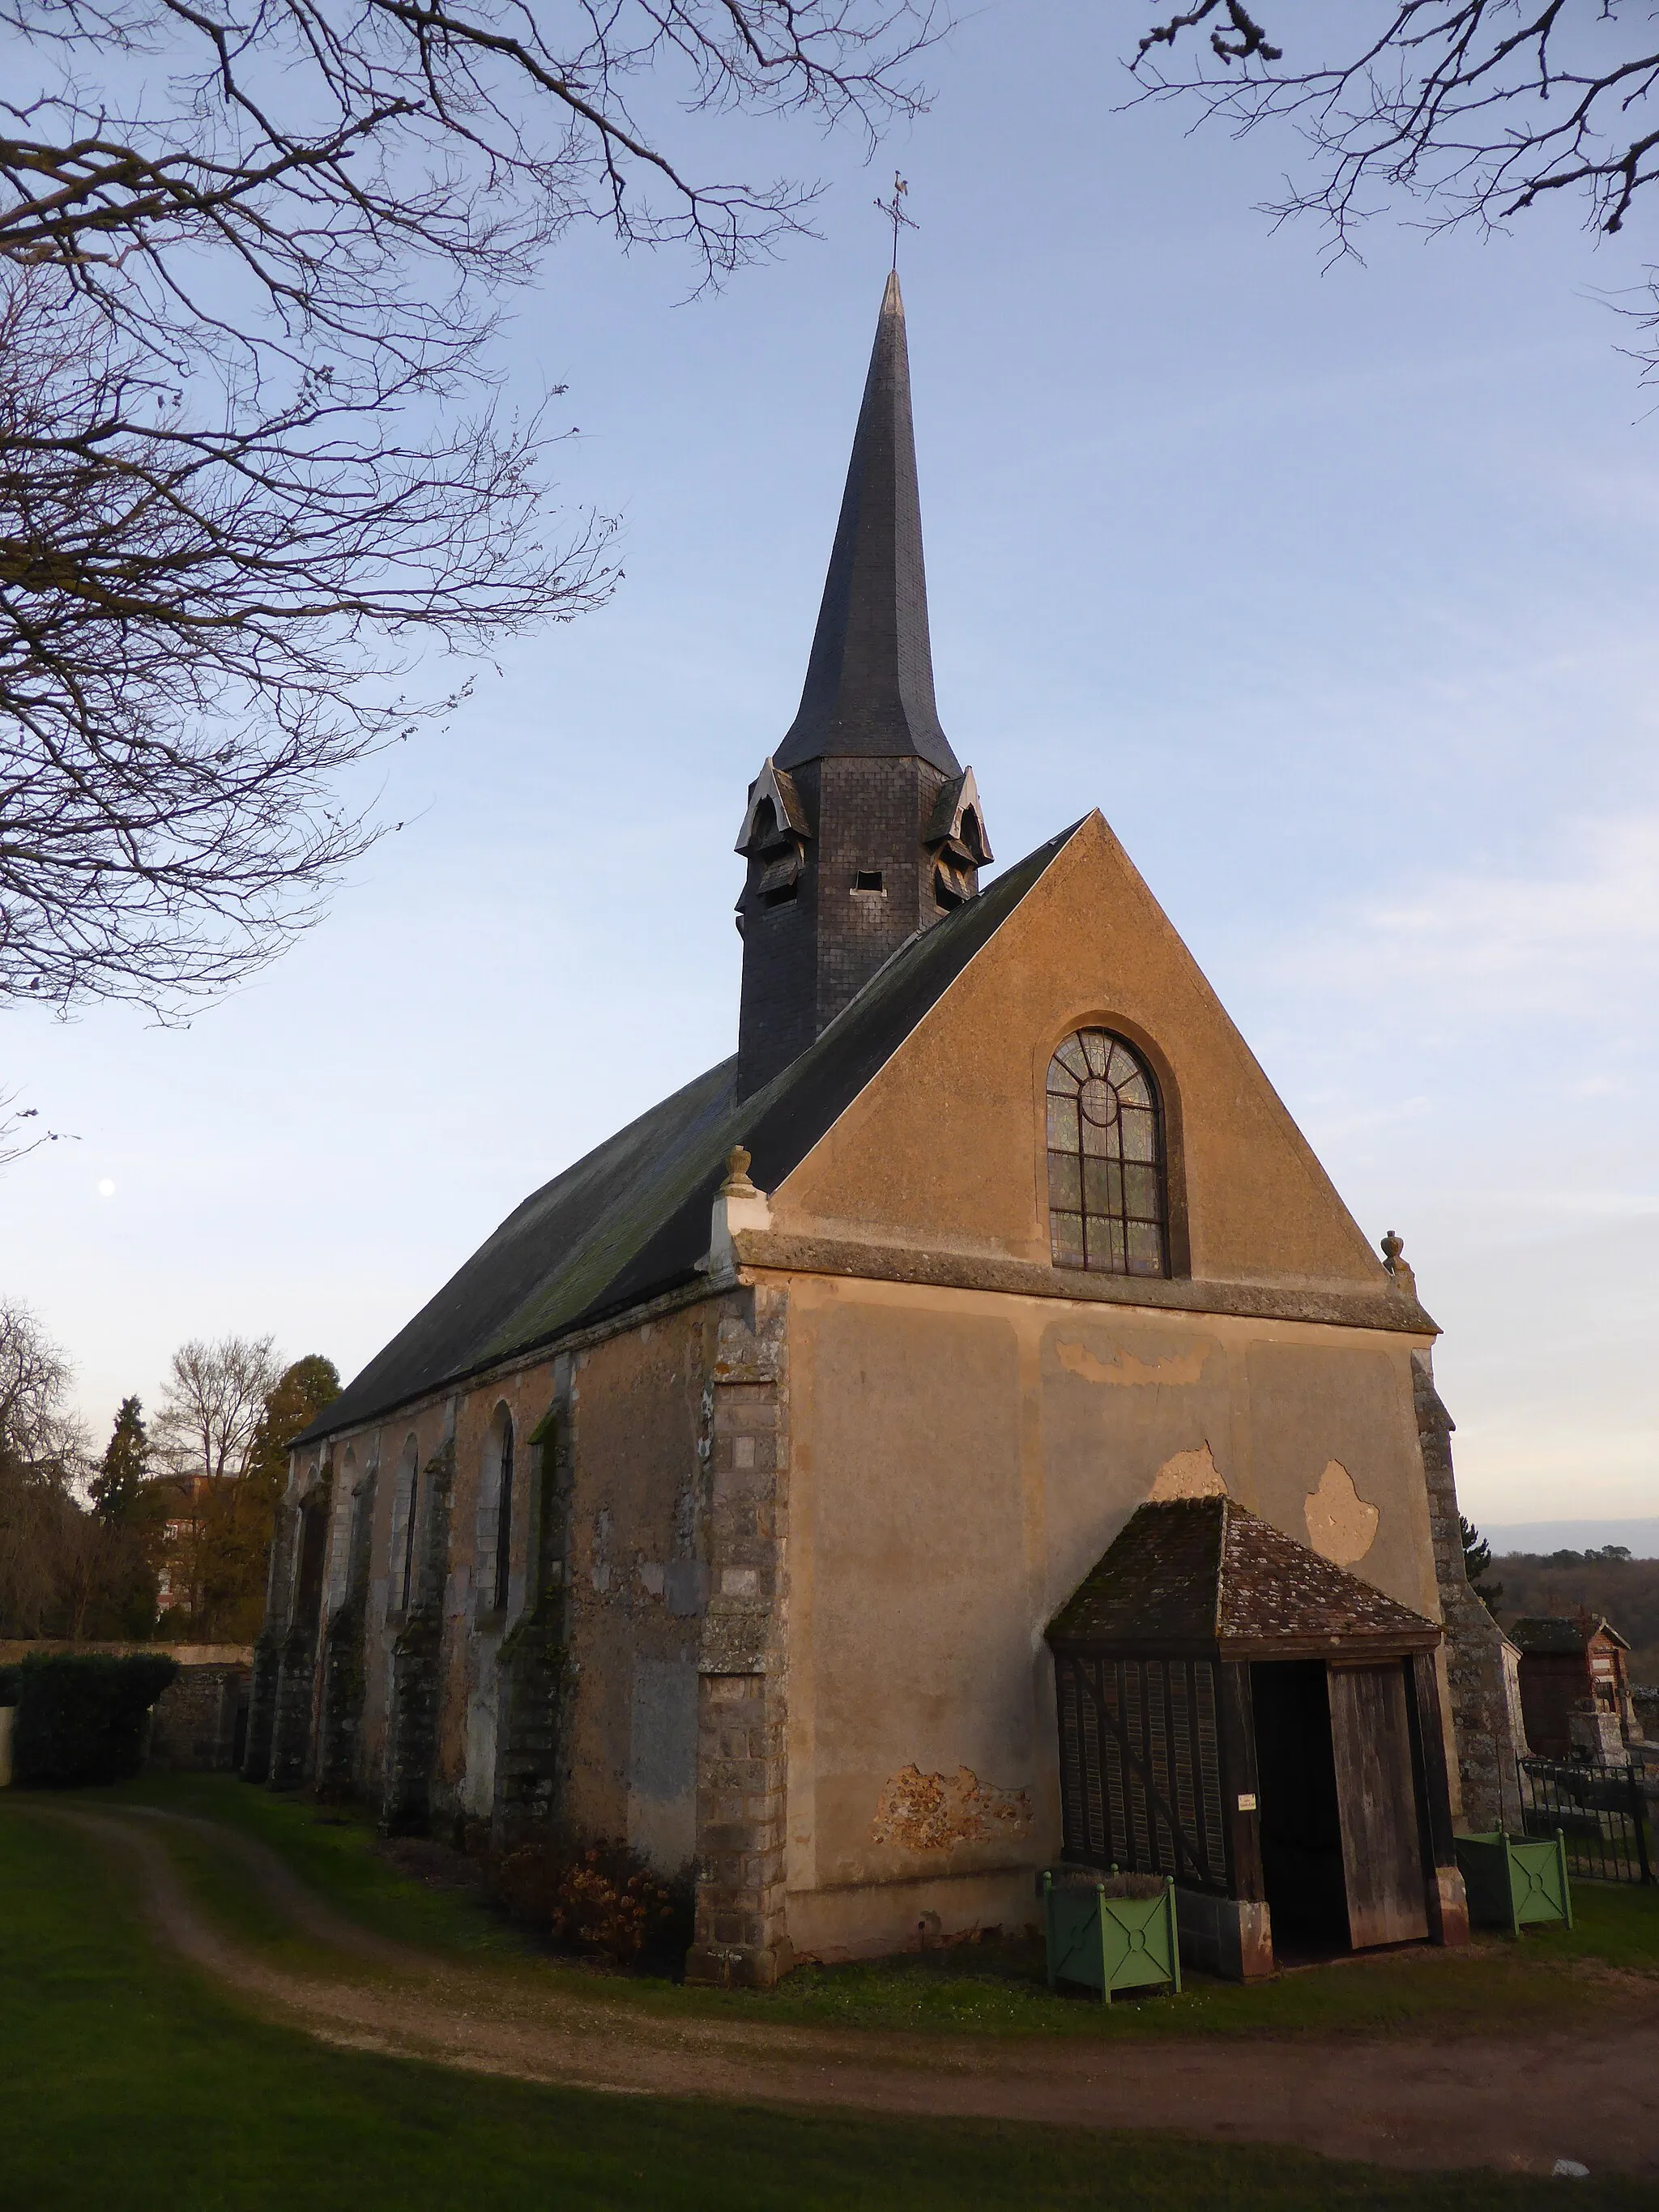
{"x": 1550, "y": 1976}
{"x": 127, "y": 2084}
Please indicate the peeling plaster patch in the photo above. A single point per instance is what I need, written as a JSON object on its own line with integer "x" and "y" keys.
{"x": 652, "y": 1577}
{"x": 1189, "y": 1475}
{"x": 1342, "y": 1526}
{"x": 1178, "y": 1369}
{"x": 931, "y": 1812}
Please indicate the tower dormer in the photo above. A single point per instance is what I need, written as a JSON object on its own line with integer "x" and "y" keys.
{"x": 863, "y": 827}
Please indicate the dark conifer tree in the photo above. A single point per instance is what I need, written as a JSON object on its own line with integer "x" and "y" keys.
{"x": 118, "y": 1487}
{"x": 1477, "y": 1562}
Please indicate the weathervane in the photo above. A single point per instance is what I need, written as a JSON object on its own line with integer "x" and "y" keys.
{"x": 894, "y": 211}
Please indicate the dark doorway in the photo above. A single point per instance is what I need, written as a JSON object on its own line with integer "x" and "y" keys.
{"x": 1301, "y": 1826}
{"x": 1376, "y": 1789}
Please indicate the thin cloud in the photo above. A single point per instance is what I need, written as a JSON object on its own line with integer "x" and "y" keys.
{"x": 1582, "y": 940}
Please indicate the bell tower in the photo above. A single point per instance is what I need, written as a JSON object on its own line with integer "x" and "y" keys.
{"x": 863, "y": 827}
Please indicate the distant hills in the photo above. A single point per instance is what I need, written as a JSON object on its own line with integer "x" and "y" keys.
{"x": 1640, "y": 1538}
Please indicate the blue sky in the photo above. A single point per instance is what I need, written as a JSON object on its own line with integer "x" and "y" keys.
{"x": 1335, "y": 591}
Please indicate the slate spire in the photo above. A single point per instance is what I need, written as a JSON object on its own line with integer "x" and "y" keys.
{"x": 863, "y": 827}
{"x": 870, "y": 681}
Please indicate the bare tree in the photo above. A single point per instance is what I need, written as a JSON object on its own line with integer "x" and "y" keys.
{"x": 1478, "y": 110}
{"x": 211, "y": 1403}
{"x": 42, "y": 1455}
{"x": 252, "y": 463}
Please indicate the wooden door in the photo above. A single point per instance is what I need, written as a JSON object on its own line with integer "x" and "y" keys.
{"x": 1376, "y": 1799}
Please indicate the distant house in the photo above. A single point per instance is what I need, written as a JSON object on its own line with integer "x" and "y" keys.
{"x": 1575, "y": 1687}
{"x": 178, "y": 1504}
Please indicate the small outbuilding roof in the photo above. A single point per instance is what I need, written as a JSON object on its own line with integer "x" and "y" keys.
{"x": 1572, "y": 1633}
{"x": 1205, "y": 1574}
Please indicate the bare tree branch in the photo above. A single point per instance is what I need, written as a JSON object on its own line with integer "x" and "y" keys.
{"x": 211, "y": 1403}
{"x": 1479, "y": 109}
{"x": 16, "y": 1141}
{"x": 253, "y": 468}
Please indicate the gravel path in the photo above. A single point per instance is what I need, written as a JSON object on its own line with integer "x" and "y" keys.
{"x": 1516, "y": 2104}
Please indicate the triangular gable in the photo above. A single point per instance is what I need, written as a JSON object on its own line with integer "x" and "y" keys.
{"x": 944, "y": 1148}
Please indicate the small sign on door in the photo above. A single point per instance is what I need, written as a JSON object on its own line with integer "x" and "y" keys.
{"x": 1247, "y": 1803}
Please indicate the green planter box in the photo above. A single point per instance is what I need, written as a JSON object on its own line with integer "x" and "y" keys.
{"x": 1116, "y": 1932}
{"x": 1510, "y": 1883}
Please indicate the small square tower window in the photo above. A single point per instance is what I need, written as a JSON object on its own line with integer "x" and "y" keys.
{"x": 867, "y": 880}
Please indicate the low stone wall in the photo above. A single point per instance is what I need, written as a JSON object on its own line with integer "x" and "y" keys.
{"x": 199, "y": 1717}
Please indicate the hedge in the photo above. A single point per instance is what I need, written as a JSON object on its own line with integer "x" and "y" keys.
{"x": 83, "y": 1717}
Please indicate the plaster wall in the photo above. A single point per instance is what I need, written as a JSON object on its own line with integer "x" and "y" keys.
{"x": 959, "y": 1460}
{"x": 637, "y": 1582}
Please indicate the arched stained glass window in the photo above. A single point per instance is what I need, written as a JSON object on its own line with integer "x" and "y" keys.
{"x": 1107, "y": 1204}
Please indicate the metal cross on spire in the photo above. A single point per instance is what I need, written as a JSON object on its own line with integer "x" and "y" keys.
{"x": 894, "y": 211}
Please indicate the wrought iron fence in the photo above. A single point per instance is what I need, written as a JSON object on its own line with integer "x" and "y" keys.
{"x": 1602, "y": 1812}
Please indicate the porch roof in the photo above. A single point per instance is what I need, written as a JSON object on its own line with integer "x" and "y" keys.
{"x": 1205, "y": 1574}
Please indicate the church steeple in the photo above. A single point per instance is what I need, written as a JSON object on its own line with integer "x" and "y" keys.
{"x": 870, "y": 682}
{"x": 863, "y": 827}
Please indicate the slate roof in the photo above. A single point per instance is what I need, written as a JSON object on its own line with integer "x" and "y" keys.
{"x": 869, "y": 683}
{"x": 631, "y": 1220}
{"x": 1204, "y": 1573}
{"x": 1546, "y": 1634}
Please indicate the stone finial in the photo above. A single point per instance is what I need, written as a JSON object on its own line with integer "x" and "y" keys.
{"x": 1394, "y": 1259}
{"x": 737, "y": 1183}
{"x": 738, "y": 1205}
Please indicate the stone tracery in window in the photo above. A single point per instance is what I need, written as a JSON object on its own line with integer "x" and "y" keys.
{"x": 1108, "y": 1205}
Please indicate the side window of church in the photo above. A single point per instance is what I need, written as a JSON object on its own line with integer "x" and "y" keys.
{"x": 501, "y": 1534}
{"x": 405, "y": 1509}
{"x": 1108, "y": 1203}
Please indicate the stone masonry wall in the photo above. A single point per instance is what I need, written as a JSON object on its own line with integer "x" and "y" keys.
{"x": 740, "y": 1935}
{"x": 534, "y": 1659}
{"x": 417, "y": 1652}
{"x": 345, "y": 1638}
{"x": 1485, "y": 1725}
{"x": 194, "y": 1724}
{"x": 268, "y": 1653}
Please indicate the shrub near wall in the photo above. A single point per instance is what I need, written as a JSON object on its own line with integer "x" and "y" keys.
{"x": 82, "y": 1718}
{"x": 599, "y": 1897}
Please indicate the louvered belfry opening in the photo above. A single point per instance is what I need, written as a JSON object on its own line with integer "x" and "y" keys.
{"x": 1140, "y": 1767}
{"x": 1167, "y": 1658}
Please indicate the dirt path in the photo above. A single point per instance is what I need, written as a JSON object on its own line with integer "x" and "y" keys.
{"x": 1518, "y": 2105}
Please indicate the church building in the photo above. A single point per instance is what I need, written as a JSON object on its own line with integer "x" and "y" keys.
{"x": 962, "y": 1432}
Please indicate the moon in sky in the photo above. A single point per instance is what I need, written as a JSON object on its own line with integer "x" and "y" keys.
{"x": 106, "y": 1189}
